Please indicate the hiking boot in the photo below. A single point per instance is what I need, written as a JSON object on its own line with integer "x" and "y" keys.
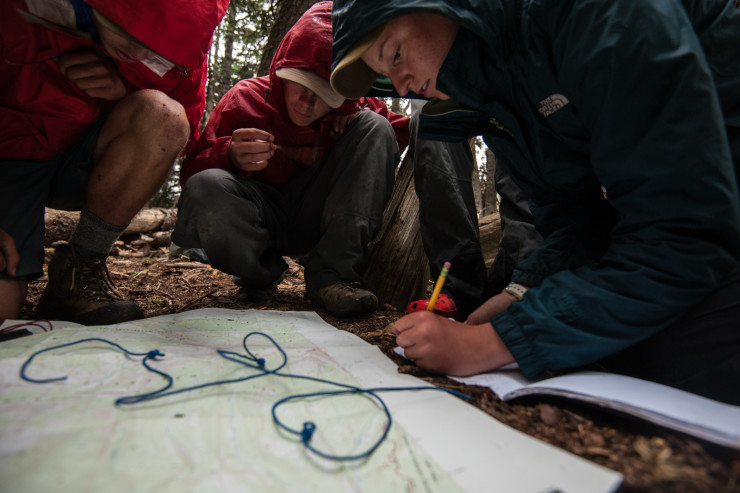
{"x": 248, "y": 293}
{"x": 80, "y": 290}
{"x": 444, "y": 306}
{"x": 344, "y": 299}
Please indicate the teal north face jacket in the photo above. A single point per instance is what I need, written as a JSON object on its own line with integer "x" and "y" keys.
{"x": 613, "y": 116}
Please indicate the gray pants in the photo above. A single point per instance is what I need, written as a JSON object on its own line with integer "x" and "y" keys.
{"x": 443, "y": 173}
{"x": 329, "y": 213}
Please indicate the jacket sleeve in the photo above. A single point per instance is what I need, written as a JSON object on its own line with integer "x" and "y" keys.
{"x": 211, "y": 149}
{"x": 611, "y": 276}
{"x": 399, "y": 123}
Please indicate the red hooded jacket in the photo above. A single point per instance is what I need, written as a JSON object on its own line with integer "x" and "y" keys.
{"x": 42, "y": 112}
{"x": 259, "y": 103}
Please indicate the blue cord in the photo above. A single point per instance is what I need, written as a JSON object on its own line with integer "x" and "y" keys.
{"x": 250, "y": 360}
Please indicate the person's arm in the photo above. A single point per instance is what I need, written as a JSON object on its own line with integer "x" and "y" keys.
{"x": 658, "y": 147}
{"x": 214, "y": 149}
{"x": 94, "y": 74}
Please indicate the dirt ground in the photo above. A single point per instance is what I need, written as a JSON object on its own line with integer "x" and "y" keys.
{"x": 649, "y": 457}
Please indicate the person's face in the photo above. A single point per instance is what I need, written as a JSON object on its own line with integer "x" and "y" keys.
{"x": 120, "y": 47}
{"x": 411, "y": 50}
{"x": 304, "y": 106}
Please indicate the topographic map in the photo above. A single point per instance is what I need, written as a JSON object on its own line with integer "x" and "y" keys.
{"x": 69, "y": 435}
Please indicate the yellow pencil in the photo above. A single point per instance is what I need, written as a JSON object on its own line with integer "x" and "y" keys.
{"x": 438, "y": 286}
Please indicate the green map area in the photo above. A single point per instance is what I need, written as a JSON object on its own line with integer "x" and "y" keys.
{"x": 69, "y": 435}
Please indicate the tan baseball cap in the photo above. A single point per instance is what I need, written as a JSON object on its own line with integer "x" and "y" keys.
{"x": 353, "y": 78}
{"x": 311, "y": 80}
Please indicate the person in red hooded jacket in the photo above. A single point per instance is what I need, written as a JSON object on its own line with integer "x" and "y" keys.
{"x": 97, "y": 100}
{"x": 287, "y": 167}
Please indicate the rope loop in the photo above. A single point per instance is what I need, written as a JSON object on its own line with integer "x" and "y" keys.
{"x": 258, "y": 370}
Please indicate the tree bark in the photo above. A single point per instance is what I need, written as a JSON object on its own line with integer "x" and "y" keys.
{"x": 289, "y": 11}
{"x": 490, "y": 236}
{"x": 398, "y": 270}
{"x": 490, "y": 201}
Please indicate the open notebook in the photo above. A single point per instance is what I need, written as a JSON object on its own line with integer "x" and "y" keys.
{"x": 688, "y": 413}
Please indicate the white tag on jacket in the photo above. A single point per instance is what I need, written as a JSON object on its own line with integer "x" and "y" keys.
{"x": 158, "y": 65}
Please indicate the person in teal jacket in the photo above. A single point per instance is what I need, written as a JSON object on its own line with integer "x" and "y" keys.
{"x": 620, "y": 121}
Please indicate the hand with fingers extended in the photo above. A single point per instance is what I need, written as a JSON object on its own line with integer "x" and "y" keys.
{"x": 250, "y": 148}
{"x": 93, "y": 73}
{"x": 448, "y": 347}
{"x": 9, "y": 257}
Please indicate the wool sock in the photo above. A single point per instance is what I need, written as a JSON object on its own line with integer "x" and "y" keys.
{"x": 93, "y": 236}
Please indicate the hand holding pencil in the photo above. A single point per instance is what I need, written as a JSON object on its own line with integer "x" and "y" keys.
{"x": 438, "y": 286}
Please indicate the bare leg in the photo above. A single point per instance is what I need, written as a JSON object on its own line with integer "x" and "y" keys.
{"x": 136, "y": 150}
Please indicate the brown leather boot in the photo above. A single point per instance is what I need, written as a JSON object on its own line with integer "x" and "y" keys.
{"x": 345, "y": 299}
{"x": 80, "y": 290}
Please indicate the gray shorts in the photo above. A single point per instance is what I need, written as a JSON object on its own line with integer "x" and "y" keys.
{"x": 27, "y": 187}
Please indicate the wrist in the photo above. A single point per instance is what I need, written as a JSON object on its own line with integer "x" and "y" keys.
{"x": 516, "y": 290}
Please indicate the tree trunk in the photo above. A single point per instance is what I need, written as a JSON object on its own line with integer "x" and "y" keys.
{"x": 213, "y": 62}
{"x": 490, "y": 236}
{"x": 490, "y": 202}
{"x": 227, "y": 64}
{"x": 398, "y": 270}
{"x": 289, "y": 11}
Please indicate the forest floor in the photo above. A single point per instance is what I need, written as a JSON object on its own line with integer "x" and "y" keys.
{"x": 649, "y": 457}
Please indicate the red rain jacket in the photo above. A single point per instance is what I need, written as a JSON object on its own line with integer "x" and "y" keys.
{"x": 42, "y": 112}
{"x": 258, "y": 103}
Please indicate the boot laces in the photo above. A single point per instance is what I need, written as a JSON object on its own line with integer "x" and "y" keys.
{"x": 92, "y": 277}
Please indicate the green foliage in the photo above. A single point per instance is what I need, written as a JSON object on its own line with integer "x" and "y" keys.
{"x": 238, "y": 44}
{"x": 168, "y": 195}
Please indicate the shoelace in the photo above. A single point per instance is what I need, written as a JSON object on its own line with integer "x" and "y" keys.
{"x": 94, "y": 279}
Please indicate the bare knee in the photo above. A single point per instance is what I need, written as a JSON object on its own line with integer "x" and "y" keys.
{"x": 157, "y": 123}
{"x": 159, "y": 115}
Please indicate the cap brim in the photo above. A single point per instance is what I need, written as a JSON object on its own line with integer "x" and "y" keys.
{"x": 353, "y": 78}
{"x": 309, "y": 79}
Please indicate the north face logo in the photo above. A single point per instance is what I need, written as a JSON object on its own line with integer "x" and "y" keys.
{"x": 551, "y": 104}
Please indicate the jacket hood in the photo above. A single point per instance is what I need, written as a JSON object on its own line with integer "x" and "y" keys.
{"x": 179, "y": 30}
{"x": 353, "y": 19}
{"x": 307, "y": 45}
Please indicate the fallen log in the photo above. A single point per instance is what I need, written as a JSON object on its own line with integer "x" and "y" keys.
{"x": 156, "y": 223}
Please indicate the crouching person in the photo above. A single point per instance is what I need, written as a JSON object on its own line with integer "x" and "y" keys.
{"x": 287, "y": 167}
{"x": 97, "y": 103}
